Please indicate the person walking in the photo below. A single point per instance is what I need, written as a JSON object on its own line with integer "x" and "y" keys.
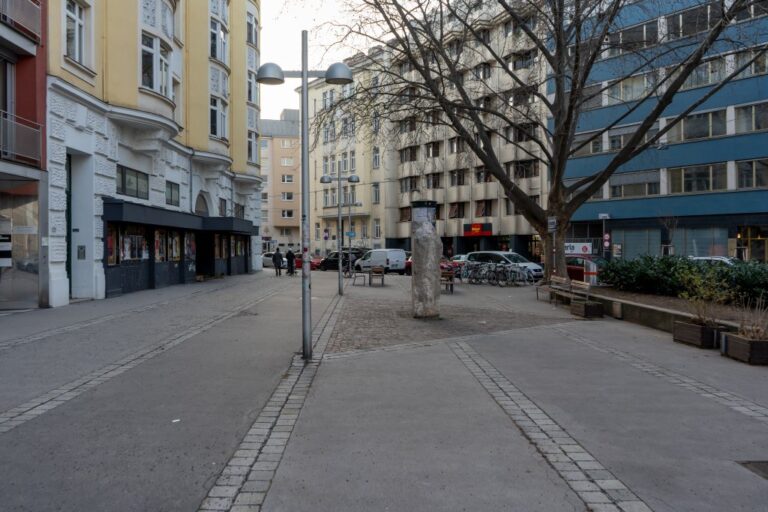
{"x": 277, "y": 260}
{"x": 291, "y": 259}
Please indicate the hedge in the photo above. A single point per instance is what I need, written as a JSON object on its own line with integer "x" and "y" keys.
{"x": 666, "y": 275}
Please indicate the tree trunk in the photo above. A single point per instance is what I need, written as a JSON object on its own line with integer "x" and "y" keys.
{"x": 554, "y": 249}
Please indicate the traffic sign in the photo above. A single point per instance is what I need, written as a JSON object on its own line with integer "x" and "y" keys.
{"x": 551, "y": 224}
{"x": 607, "y": 244}
{"x": 606, "y": 236}
{"x": 351, "y": 234}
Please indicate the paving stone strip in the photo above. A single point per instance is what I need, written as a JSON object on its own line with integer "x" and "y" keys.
{"x": 598, "y": 488}
{"x": 245, "y": 481}
{"x": 8, "y": 344}
{"x": 739, "y": 404}
{"x": 19, "y": 415}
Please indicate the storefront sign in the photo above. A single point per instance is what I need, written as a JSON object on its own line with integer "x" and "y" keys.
{"x": 579, "y": 248}
{"x": 485, "y": 229}
{"x": 617, "y": 250}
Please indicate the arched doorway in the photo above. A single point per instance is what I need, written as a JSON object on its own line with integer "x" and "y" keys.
{"x": 201, "y": 206}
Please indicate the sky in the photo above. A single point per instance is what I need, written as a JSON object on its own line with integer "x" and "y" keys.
{"x": 282, "y": 23}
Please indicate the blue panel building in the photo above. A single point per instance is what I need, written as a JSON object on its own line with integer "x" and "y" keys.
{"x": 703, "y": 190}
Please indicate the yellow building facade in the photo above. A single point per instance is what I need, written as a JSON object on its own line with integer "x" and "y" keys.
{"x": 153, "y": 148}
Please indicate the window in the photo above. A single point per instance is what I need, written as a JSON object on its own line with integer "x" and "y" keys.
{"x": 239, "y": 211}
{"x": 408, "y": 184}
{"x": 456, "y": 210}
{"x": 364, "y": 230}
{"x": 433, "y": 180}
{"x": 405, "y": 214}
{"x": 484, "y": 208}
{"x": 752, "y": 118}
{"x": 352, "y": 162}
{"x": 286, "y": 143}
{"x": 265, "y": 197}
{"x": 631, "y": 89}
{"x": 326, "y": 198}
{"x": 348, "y": 127}
{"x": 287, "y": 214}
{"x": 456, "y": 145}
{"x": 699, "y": 178}
{"x": 482, "y": 71}
{"x": 317, "y": 231}
{"x": 286, "y": 196}
{"x": 253, "y": 88}
{"x": 75, "y": 43}
{"x": 219, "y": 38}
{"x": 218, "y": 118}
{"x": 458, "y": 178}
{"x": 520, "y": 97}
{"x": 522, "y": 133}
{"x": 523, "y": 60}
{"x": 325, "y": 165}
{"x": 251, "y": 29}
{"x": 483, "y": 176}
{"x": 132, "y": 183}
{"x": 376, "y": 228}
{"x": 752, "y": 10}
{"x": 409, "y": 154}
{"x": 752, "y": 174}
{"x": 333, "y": 164}
{"x": 407, "y": 125}
{"x": 287, "y": 178}
{"x": 509, "y": 27}
{"x": 634, "y": 184}
{"x": 698, "y": 126}
{"x": 758, "y": 66}
{"x": 706, "y": 73}
{"x": 509, "y": 207}
{"x": 433, "y": 149}
{"x": 155, "y": 65}
{"x": 286, "y": 162}
{"x": 595, "y": 145}
{"x": 376, "y": 157}
{"x": 483, "y": 37}
{"x": 222, "y": 207}
{"x": 690, "y": 22}
{"x": 253, "y": 144}
{"x": 376, "y": 193}
{"x": 529, "y": 22}
{"x": 343, "y": 162}
{"x": 171, "y": 193}
{"x": 376, "y": 122}
{"x": 618, "y": 138}
{"x": 535, "y": 198}
{"x": 633, "y": 38}
{"x": 405, "y": 67}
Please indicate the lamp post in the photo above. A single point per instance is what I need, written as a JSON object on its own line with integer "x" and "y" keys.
{"x": 326, "y": 179}
{"x": 336, "y": 74}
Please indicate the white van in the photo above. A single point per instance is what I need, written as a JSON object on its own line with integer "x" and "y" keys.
{"x": 393, "y": 260}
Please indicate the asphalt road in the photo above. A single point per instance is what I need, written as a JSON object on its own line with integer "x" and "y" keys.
{"x": 155, "y": 435}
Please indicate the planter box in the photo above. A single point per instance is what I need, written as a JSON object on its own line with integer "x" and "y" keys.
{"x": 746, "y": 350}
{"x": 694, "y": 334}
{"x": 587, "y": 309}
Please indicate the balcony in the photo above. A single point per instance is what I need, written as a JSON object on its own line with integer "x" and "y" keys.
{"x": 23, "y": 16}
{"x": 20, "y": 139}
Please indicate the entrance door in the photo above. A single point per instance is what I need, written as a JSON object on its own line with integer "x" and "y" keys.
{"x": 69, "y": 221}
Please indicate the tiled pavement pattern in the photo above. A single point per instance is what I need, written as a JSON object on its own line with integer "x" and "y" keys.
{"x": 12, "y": 418}
{"x": 377, "y": 323}
{"x": 730, "y": 400}
{"x": 600, "y": 490}
{"x": 245, "y": 480}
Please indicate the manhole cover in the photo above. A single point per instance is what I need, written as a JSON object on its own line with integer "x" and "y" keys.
{"x": 760, "y": 468}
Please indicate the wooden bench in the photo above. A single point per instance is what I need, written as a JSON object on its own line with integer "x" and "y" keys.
{"x": 376, "y": 273}
{"x": 581, "y": 288}
{"x": 557, "y": 285}
{"x": 358, "y": 274}
{"x": 446, "y": 279}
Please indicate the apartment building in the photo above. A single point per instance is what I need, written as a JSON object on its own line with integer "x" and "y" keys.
{"x": 348, "y": 145}
{"x": 704, "y": 189}
{"x": 281, "y": 171}
{"x": 23, "y": 39}
{"x": 153, "y": 152}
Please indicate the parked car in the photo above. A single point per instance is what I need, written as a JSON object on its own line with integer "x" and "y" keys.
{"x": 331, "y": 262}
{"x": 445, "y": 264}
{"x": 507, "y": 257}
{"x": 576, "y": 265}
{"x": 393, "y": 260}
{"x": 268, "y": 263}
{"x": 458, "y": 261}
{"x": 314, "y": 262}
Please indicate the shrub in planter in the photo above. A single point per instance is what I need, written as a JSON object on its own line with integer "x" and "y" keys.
{"x": 703, "y": 292}
{"x": 750, "y": 343}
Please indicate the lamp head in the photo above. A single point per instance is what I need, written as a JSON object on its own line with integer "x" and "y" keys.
{"x": 325, "y": 179}
{"x": 338, "y": 74}
{"x": 354, "y": 178}
{"x": 270, "y": 74}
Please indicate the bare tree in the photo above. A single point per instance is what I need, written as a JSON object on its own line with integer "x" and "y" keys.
{"x": 446, "y": 63}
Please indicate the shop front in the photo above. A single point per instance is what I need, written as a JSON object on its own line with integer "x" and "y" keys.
{"x": 147, "y": 247}
{"x": 19, "y": 243}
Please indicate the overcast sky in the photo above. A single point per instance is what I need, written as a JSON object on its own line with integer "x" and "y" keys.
{"x": 282, "y": 23}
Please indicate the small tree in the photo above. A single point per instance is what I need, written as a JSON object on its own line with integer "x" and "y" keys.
{"x": 434, "y": 63}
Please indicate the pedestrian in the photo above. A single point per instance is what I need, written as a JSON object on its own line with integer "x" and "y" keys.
{"x": 277, "y": 260}
{"x": 291, "y": 259}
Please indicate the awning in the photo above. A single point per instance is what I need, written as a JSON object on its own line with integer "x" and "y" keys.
{"x": 117, "y": 210}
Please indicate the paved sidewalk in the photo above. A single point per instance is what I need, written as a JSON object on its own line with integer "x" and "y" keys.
{"x": 549, "y": 414}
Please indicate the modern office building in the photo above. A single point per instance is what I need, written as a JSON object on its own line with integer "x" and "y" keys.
{"x": 153, "y": 150}
{"x": 23, "y": 44}
{"x": 281, "y": 192}
{"x": 704, "y": 189}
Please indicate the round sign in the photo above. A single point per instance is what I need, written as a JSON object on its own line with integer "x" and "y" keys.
{"x": 607, "y": 236}
{"x": 606, "y": 244}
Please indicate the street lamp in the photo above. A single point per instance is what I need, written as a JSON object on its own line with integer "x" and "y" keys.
{"x": 325, "y": 180}
{"x": 336, "y": 74}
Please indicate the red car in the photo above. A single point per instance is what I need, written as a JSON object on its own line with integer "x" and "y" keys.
{"x": 445, "y": 264}
{"x": 314, "y": 262}
{"x": 576, "y": 265}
